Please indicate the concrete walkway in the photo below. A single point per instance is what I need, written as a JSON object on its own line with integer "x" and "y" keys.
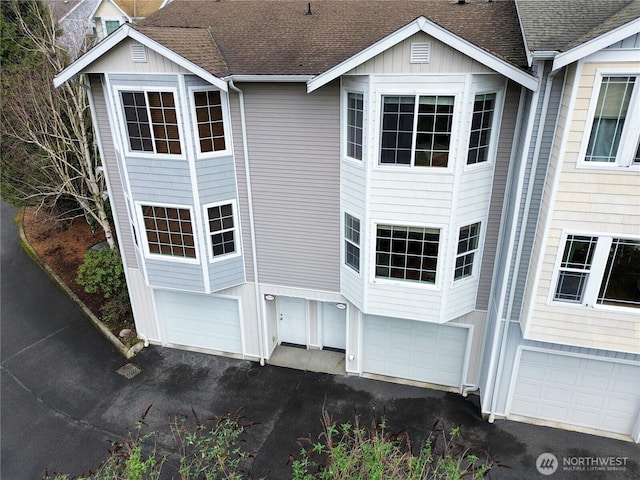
{"x": 62, "y": 397}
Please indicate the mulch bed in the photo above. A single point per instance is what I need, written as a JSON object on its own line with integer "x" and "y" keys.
{"x": 62, "y": 245}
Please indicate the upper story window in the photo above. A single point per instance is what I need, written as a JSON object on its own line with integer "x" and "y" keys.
{"x": 210, "y": 122}
{"x": 416, "y": 130}
{"x": 407, "y": 253}
{"x": 169, "y": 231}
{"x": 613, "y": 138}
{"x": 355, "y": 116}
{"x": 468, "y": 241}
{"x": 599, "y": 271}
{"x": 481, "y": 123}
{"x": 152, "y": 122}
{"x": 111, "y": 26}
{"x": 352, "y": 242}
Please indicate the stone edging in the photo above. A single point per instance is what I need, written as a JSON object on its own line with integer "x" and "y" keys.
{"x": 128, "y": 353}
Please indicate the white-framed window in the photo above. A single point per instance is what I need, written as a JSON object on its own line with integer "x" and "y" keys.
{"x": 169, "y": 231}
{"x": 416, "y": 130}
{"x": 352, "y": 242}
{"x": 222, "y": 230}
{"x": 355, "y": 125}
{"x": 480, "y": 136}
{"x": 211, "y": 123}
{"x": 110, "y": 26}
{"x": 151, "y": 122}
{"x": 407, "y": 253}
{"x": 612, "y": 136}
{"x": 468, "y": 243}
{"x": 599, "y": 271}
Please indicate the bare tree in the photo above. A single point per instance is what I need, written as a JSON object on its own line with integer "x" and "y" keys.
{"x": 53, "y": 125}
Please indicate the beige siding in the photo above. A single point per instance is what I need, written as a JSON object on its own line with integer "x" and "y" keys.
{"x": 590, "y": 201}
{"x": 443, "y": 59}
{"x": 118, "y": 59}
{"x": 295, "y": 171}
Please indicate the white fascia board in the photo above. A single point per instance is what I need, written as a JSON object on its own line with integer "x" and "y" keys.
{"x": 437, "y": 32}
{"x": 269, "y": 78}
{"x": 118, "y": 36}
{"x": 597, "y": 44}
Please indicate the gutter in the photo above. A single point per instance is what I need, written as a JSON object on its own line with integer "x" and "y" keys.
{"x": 245, "y": 149}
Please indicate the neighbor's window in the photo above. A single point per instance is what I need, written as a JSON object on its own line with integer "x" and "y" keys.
{"x": 481, "y": 123}
{"x": 416, "y": 130}
{"x": 152, "y": 123}
{"x": 468, "y": 240}
{"x": 209, "y": 120}
{"x": 169, "y": 231}
{"x": 352, "y": 242}
{"x": 111, "y": 26}
{"x": 575, "y": 268}
{"x": 222, "y": 229}
{"x": 610, "y": 140}
{"x": 620, "y": 285}
{"x": 407, "y": 253}
{"x": 355, "y": 114}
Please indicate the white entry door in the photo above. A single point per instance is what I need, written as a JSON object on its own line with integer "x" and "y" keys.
{"x": 292, "y": 320}
{"x": 334, "y": 326}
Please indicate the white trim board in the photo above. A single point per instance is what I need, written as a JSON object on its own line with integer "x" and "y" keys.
{"x": 422, "y": 24}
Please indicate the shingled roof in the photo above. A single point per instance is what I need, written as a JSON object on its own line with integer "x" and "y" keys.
{"x": 279, "y": 37}
{"x": 559, "y": 25}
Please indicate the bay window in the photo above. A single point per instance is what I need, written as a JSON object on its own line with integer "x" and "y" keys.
{"x": 407, "y": 253}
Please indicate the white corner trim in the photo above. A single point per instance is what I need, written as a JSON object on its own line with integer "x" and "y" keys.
{"x": 118, "y": 36}
{"x": 422, "y": 24}
{"x": 596, "y": 44}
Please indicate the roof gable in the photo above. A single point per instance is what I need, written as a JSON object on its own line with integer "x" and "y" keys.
{"x": 124, "y": 32}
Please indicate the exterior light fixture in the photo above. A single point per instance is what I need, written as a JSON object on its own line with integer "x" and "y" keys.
{"x": 269, "y": 298}
{"x": 340, "y": 306}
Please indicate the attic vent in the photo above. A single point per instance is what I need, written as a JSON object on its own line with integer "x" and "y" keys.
{"x": 138, "y": 53}
{"x": 420, "y": 52}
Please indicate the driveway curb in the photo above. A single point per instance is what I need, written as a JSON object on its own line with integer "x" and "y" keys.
{"x": 128, "y": 353}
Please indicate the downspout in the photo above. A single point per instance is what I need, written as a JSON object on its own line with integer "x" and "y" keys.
{"x": 525, "y": 216}
{"x": 256, "y": 283}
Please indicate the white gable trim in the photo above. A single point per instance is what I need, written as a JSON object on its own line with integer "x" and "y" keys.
{"x": 124, "y": 14}
{"x": 118, "y": 36}
{"x": 422, "y": 24}
{"x": 596, "y": 44}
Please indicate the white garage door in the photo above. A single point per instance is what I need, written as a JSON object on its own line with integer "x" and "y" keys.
{"x": 577, "y": 391}
{"x": 419, "y": 351}
{"x": 203, "y": 321}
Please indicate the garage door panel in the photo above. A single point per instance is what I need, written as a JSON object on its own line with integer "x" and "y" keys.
{"x": 201, "y": 321}
{"x": 414, "y": 350}
{"x": 578, "y": 391}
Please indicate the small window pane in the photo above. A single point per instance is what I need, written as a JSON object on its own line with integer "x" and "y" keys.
{"x": 621, "y": 281}
{"x": 210, "y": 121}
{"x": 481, "y": 123}
{"x": 575, "y": 268}
{"x": 354, "y": 125}
{"x": 222, "y": 229}
{"x": 352, "y": 242}
{"x": 168, "y": 231}
{"x": 412, "y": 252}
{"x": 468, "y": 241}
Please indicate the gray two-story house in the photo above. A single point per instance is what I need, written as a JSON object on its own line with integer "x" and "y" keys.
{"x": 384, "y": 179}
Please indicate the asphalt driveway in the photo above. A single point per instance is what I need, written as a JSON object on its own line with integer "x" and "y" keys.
{"x": 62, "y": 399}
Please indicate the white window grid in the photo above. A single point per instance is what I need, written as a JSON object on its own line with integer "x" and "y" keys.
{"x": 210, "y": 120}
{"x": 468, "y": 243}
{"x": 169, "y": 231}
{"x": 223, "y": 232}
{"x": 352, "y": 242}
{"x": 484, "y": 106}
{"x": 355, "y": 125}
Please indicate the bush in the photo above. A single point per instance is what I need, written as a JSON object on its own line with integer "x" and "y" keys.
{"x": 102, "y": 272}
{"x": 350, "y": 452}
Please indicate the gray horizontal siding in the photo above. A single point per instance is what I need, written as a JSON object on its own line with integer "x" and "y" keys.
{"x": 175, "y": 275}
{"x": 226, "y": 273}
{"x": 216, "y": 179}
{"x": 295, "y": 172}
{"x": 110, "y": 163}
{"x": 159, "y": 180}
{"x": 503, "y": 157}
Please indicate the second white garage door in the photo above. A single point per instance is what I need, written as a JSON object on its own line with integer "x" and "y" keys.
{"x": 578, "y": 391}
{"x": 203, "y": 321}
{"x": 420, "y": 351}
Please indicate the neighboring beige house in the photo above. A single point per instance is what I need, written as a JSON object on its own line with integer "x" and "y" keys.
{"x": 110, "y": 14}
{"x": 445, "y": 193}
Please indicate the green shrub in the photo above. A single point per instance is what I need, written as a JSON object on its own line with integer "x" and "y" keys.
{"x": 350, "y": 452}
{"x": 102, "y": 272}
